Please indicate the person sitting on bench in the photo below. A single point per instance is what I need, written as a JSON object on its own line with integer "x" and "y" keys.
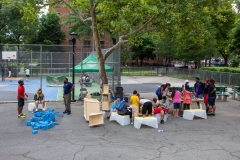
{"x": 161, "y": 108}
{"x": 126, "y": 109}
{"x": 39, "y": 99}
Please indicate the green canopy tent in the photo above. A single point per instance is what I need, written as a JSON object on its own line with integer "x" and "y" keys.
{"x": 90, "y": 64}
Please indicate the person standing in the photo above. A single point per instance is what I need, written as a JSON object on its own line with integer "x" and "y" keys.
{"x": 3, "y": 73}
{"x": 27, "y": 74}
{"x": 211, "y": 98}
{"x": 176, "y": 97}
{"x": 135, "y": 105}
{"x": 21, "y": 97}
{"x": 205, "y": 95}
{"x": 67, "y": 89}
{"x": 198, "y": 89}
{"x": 9, "y": 72}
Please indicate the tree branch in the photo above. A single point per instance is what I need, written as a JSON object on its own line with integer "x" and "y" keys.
{"x": 141, "y": 28}
{"x": 115, "y": 47}
{"x": 80, "y": 16}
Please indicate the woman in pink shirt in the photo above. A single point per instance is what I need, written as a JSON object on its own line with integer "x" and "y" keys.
{"x": 176, "y": 97}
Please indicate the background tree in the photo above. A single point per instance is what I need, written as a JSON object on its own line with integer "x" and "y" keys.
{"x": 144, "y": 50}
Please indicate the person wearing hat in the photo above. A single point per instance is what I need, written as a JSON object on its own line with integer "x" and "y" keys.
{"x": 21, "y": 97}
{"x": 185, "y": 86}
{"x": 39, "y": 99}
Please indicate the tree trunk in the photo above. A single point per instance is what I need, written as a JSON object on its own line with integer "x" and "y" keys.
{"x": 210, "y": 59}
{"x": 205, "y": 61}
{"x": 141, "y": 61}
{"x": 101, "y": 61}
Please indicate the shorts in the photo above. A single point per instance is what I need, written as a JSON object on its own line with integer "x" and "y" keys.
{"x": 205, "y": 98}
{"x": 200, "y": 96}
{"x": 158, "y": 110}
{"x": 211, "y": 101}
{"x": 20, "y": 102}
{"x": 176, "y": 105}
{"x": 147, "y": 106}
{"x": 135, "y": 111}
{"x": 27, "y": 75}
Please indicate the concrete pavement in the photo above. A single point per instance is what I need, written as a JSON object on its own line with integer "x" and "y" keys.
{"x": 214, "y": 138}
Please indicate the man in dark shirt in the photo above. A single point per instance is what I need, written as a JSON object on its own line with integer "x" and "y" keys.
{"x": 198, "y": 89}
{"x": 211, "y": 98}
{"x": 67, "y": 89}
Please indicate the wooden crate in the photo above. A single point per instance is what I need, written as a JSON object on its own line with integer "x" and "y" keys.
{"x": 91, "y": 106}
{"x": 96, "y": 119}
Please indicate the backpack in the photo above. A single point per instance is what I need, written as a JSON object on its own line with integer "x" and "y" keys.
{"x": 120, "y": 105}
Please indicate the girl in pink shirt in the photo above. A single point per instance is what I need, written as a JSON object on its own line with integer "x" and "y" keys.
{"x": 176, "y": 97}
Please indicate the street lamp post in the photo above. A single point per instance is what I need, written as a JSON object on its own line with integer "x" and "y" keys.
{"x": 73, "y": 34}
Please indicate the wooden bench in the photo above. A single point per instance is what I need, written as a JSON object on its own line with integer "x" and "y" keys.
{"x": 149, "y": 121}
{"x": 122, "y": 120}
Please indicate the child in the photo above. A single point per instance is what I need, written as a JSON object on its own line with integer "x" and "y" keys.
{"x": 176, "y": 97}
{"x": 113, "y": 106}
{"x": 205, "y": 92}
{"x": 162, "y": 109}
{"x": 187, "y": 99}
{"x": 135, "y": 105}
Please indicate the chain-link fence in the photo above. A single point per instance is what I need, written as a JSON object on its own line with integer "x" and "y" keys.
{"x": 55, "y": 60}
{"x": 226, "y": 78}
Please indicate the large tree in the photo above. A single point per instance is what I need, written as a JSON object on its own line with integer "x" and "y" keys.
{"x": 128, "y": 20}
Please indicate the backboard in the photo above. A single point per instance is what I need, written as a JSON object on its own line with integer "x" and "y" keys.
{"x": 9, "y": 55}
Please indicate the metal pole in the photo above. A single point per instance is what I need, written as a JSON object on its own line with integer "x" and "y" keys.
{"x": 73, "y": 61}
{"x": 69, "y": 62}
{"x": 31, "y": 63}
{"x": 81, "y": 74}
{"x": 41, "y": 66}
{"x": 51, "y": 62}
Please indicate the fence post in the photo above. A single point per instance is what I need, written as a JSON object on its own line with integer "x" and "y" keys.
{"x": 41, "y": 66}
{"x": 220, "y": 77}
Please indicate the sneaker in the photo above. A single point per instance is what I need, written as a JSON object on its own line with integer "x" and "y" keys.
{"x": 68, "y": 113}
{"x": 65, "y": 111}
{"x": 36, "y": 110}
{"x": 43, "y": 109}
{"x": 213, "y": 114}
{"x": 21, "y": 116}
{"x": 162, "y": 121}
{"x": 209, "y": 114}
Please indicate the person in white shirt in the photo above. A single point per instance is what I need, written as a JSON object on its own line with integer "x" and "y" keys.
{"x": 147, "y": 107}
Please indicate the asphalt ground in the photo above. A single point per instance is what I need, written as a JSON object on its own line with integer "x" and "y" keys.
{"x": 217, "y": 137}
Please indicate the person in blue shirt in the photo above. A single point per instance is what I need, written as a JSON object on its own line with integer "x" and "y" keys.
{"x": 198, "y": 89}
{"x": 67, "y": 89}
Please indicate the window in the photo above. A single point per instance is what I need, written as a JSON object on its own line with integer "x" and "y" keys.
{"x": 70, "y": 42}
{"x": 102, "y": 44}
{"x": 87, "y": 44}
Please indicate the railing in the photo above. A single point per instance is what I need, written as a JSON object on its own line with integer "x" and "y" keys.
{"x": 226, "y": 78}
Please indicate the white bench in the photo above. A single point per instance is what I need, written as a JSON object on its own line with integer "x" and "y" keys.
{"x": 189, "y": 114}
{"x": 122, "y": 120}
{"x": 32, "y": 106}
{"x": 159, "y": 117}
{"x": 149, "y": 121}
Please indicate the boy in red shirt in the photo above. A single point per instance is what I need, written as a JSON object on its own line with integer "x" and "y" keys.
{"x": 21, "y": 97}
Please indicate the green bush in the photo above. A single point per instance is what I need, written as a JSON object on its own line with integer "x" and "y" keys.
{"x": 235, "y": 63}
{"x": 221, "y": 69}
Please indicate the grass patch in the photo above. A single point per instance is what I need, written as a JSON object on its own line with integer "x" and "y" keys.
{"x": 142, "y": 73}
{"x": 222, "y": 69}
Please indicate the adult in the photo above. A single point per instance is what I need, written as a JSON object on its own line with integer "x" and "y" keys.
{"x": 166, "y": 91}
{"x": 212, "y": 98}
{"x": 205, "y": 92}
{"x": 185, "y": 86}
{"x": 146, "y": 107}
{"x": 67, "y": 89}
{"x": 159, "y": 92}
{"x": 135, "y": 105}
{"x": 9, "y": 72}
{"x": 21, "y": 97}
{"x": 198, "y": 89}
{"x": 3, "y": 73}
{"x": 162, "y": 108}
{"x": 125, "y": 110}
{"x": 27, "y": 71}
{"x": 39, "y": 99}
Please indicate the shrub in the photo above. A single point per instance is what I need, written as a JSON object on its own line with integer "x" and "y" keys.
{"x": 221, "y": 69}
